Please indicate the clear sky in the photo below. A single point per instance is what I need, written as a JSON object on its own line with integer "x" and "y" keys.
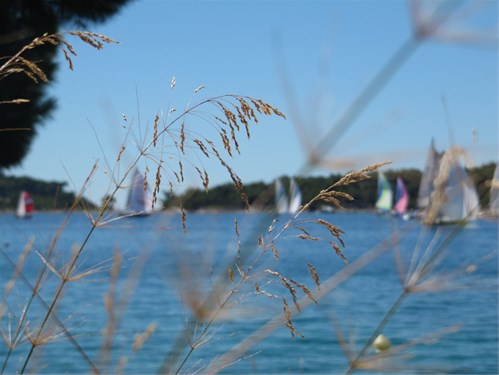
{"x": 311, "y": 59}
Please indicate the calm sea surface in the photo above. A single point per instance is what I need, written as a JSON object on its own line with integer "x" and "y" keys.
{"x": 450, "y": 326}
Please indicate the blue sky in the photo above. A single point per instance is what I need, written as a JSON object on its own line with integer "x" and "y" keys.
{"x": 308, "y": 58}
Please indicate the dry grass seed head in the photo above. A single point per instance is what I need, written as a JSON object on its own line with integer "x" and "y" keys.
{"x": 141, "y": 338}
{"x": 330, "y": 199}
{"x": 182, "y": 138}
{"x": 333, "y": 229}
{"x": 204, "y": 178}
{"x": 274, "y": 251}
{"x": 239, "y": 265}
{"x": 315, "y": 275}
{"x": 249, "y": 113}
{"x": 333, "y": 197}
{"x": 229, "y": 115}
{"x": 184, "y": 219}
{"x": 219, "y": 120}
{"x": 157, "y": 184}
{"x": 177, "y": 177}
{"x": 287, "y": 284}
{"x": 338, "y": 251}
{"x": 122, "y": 150}
{"x": 34, "y": 72}
{"x": 31, "y": 70}
{"x": 304, "y": 231}
{"x": 201, "y": 146}
{"x": 259, "y": 290}
{"x": 305, "y": 290}
{"x": 238, "y": 184}
{"x": 181, "y": 170}
{"x": 244, "y": 113}
{"x": 234, "y": 140}
{"x": 155, "y": 130}
{"x": 230, "y": 274}
{"x": 266, "y": 108}
{"x": 95, "y": 40}
{"x": 199, "y": 88}
{"x": 225, "y": 141}
{"x": 15, "y": 101}
{"x": 307, "y": 237}
{"x": 360, "y": 175}
{"x": 236, "y": 229}
{"x": 272, "y": 226}
{"x": 257, "y": 287}
{"x": 259, "y": 242}
{"x": 233, "y": 125}
{"x": 287, "y": 320}
{"x": 244, "y": 121}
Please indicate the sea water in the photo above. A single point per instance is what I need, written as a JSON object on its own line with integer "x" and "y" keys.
{"x": 448, "y": 324}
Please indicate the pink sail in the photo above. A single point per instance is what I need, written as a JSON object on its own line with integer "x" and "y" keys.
{"x": 401, "y": 197}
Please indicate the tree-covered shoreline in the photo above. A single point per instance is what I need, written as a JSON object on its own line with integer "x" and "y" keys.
{"x": 53, "y": 195}
{"x": 261, "y": 195}
{"x": 47, "y": 195}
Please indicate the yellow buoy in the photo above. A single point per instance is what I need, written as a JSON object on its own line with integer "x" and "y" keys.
{"x": 381, "y": 343}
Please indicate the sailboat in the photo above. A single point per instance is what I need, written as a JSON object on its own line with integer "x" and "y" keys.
{"x": 139, "y": 202}
{"x": 282, "y": 203}
{"x": 25, "y": 206}
{"x": 493, "y": 211}
{"x": 281, "y": 198}
{"x": 454, "y": 198}
{"x": 429, "y": 174}
{"x": 401, "y": 200}
{"x": 494, "y": 194}
{"x": 295, "y": 197}
{"x": 384, "y": 201}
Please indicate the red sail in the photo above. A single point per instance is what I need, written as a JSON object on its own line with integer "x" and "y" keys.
{"x": 28, "y": 203}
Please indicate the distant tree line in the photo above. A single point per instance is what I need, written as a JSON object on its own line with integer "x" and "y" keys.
{"x": 46, "y": 195}
{"x": 262, "y": 195}
{"x": 53, "y": 194}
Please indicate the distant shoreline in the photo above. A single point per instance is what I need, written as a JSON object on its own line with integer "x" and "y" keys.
{"x": 206, "y": 210}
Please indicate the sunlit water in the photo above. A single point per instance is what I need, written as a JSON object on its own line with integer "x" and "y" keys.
{"x": 171, "y": 264}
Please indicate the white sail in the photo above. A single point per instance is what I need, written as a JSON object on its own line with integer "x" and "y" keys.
{"x": 139, "y": 198}
{"x": 283, "y": 205}
{"x": 295, "y": 197}
{"x": 21, "y": 208}
{"x": 427, "y": 179}
{"x": 494, "y": 193}
{"x": 25, "y": 206}
{"x": 454, "y": 198}
{"x": 281, "y": 198}
{"x": 461, "y": 201}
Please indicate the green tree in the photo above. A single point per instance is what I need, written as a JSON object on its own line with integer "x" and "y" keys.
{"x": 20, "y": 22}
{"x": 482, "y": 177}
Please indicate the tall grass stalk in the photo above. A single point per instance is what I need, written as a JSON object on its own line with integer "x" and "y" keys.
{"x": 237, "y": 112}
